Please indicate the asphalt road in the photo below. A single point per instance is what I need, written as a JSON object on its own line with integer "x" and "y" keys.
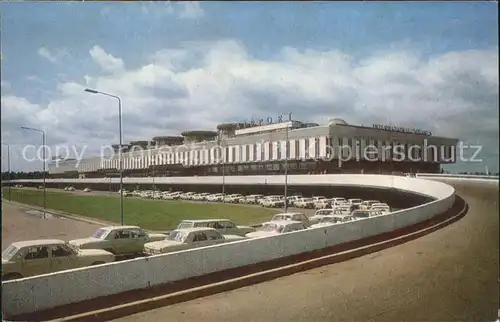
{"x": 21, "y": 223}
{"x": 449, "y": 275}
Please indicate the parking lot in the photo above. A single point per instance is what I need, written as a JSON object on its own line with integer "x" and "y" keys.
{"x": 22, "y": 223}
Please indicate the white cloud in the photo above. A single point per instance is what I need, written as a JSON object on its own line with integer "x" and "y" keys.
{"x": 200, "y": 85}
{"x": 52, "y": 56}
{"x": 107, "y": 62}
{"x": 190, "y": 10}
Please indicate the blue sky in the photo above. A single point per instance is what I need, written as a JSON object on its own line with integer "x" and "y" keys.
{"x": 46, "y": 53}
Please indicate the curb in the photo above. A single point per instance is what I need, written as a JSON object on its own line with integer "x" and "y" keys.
{"x": 126, "y": 309}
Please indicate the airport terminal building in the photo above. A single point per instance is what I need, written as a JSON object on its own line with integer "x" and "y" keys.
{"x": 261, "y": 149}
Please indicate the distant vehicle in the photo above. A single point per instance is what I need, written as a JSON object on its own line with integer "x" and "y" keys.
{"x": 306, "y": 203}
{"x": 320, "y": 214}
{"x": 252, "y": 199}
{"x": 87, "y": 190}
{"x": 223, "y": 226}
{"x": 323, "y": 204}
{"x": 273, "y": 228}
{"x": 35, "y": 257}
{"x": 293, "y": 199}
{"x": 119, "y": 240}
{"x": 362, "y": 214}
{"x": 181, "y": 239}
{"x": 333, "y": 220}
{"x": 355, "y": 202}
{"x": 367, "y": 204}
{"x": 294, "y": 216}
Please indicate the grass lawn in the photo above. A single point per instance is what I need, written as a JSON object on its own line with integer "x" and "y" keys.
{"x": 149, "y": 214}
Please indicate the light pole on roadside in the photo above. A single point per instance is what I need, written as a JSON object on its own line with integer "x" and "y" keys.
{"x": 8, "y": 169}
{"x": 43, "y": 161}
{"x": 153, "y": 163}
{"x": 220, "y": 141}
{"x": 286, "y": 167}
{"x": 120, "y": 161}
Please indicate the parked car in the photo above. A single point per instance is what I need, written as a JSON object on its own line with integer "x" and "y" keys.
{"x": 355, "y": 202}
{"x": 333, "y": 220}
{"x": 223, "y": 226}
{"x": 218, "y": 197}
{"x": 35, "y": 257}
{"x": 293, "y": 199}
{"x": 235, "y": 198}
{"x": 119, "y": 240}
{"x": 320, "y": 214}
{"x": 306, "y": 203}
{"x": 252, "y": 199}
{"x": 367, "y": 204}
{"x": 361, "y": 214}
{"x": 87, "y": 190}
{"x": 294, "y": 216}
{"x": 181, "y": 239}
{"x": 338, "y": 201}
{"x": 273, "y": 228}
{"x": 322, "y": 204}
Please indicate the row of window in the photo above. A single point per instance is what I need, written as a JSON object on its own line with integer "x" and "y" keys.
{"x": 303, "y": 149}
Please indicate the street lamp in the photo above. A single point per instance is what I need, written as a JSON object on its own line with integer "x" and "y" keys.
{"x": 93, "y": 91}
{"x": 287, "y": 143}
{"x": 220, "y": 140}
{"x": 43, "y": 157}
{"x": 8, "y": 169}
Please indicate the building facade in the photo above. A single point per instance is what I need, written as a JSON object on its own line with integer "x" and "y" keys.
{"x": 239, "y": 149}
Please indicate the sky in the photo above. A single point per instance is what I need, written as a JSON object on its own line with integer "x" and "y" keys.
{"x": 190, "y": 66}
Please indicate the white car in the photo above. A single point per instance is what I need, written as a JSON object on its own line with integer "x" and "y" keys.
{"x": 322, "y": 204}
{"x": 218, "y": 197}
{"x": 338, "y": 201}
{"x": 333, "y": 220}
{"x": 252, "y": 199}
{"x": 87, "y": 190}
{"x": 361, "y": 214}
{"x": 273, "y": 202}
{"x": 306, "y": 203}
{"x": 201, "y": 197}
{"x": 235, "y": 198}
{"x": 294, "y": 216}
{"x": 181, "y": 239}
{"x": 265, "y": 199}
{"x": 320, "y": 214}
{"x": 355, "y": 202}
{"x": 293, "y": 199}
{"x": 223, "y": 226}
{"x": 367, "y": 204}
{"x": 273, "y": 228}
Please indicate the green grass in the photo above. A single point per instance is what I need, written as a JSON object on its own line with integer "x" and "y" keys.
{"x": 149, "y": 214}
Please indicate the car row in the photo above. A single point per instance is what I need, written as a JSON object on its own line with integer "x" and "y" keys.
{"x": 28, "y": 258}
{"x": 271, "y": 201}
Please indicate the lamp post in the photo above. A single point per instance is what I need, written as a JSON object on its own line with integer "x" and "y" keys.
{"x": 286, "y": 168}
{"x": 43, "y": 161}
{"x": 220, "y": 140}
{"x": 93, "y": 91}
{"x": 8, "y": 169}
{"x": 153, "y": 163}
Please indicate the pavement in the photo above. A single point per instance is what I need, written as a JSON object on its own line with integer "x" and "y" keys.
{"x": 23, "y": 223}
{"x": 448, "y": 275}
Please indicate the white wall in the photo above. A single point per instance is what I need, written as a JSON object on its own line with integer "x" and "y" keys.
{"x": 47, "y": 291}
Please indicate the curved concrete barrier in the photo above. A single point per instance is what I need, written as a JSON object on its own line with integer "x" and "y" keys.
{"x": 58, "y": 289}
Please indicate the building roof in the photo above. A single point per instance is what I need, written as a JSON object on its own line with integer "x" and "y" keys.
{"x": 229, "y": 126}
{"x": 167, "y": 138}
{"x": 199, "y": 133}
